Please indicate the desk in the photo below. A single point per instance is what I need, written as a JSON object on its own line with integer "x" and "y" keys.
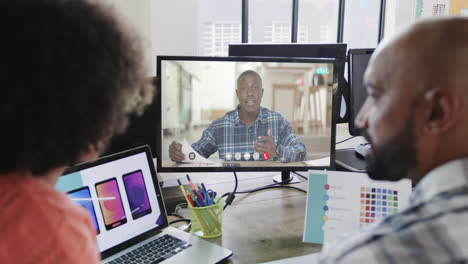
{"x": 266, "y": 225}
{"x": 262, "y": 226}
{"x": 345, "y": 156}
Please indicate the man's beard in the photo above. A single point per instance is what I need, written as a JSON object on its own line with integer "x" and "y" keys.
{"x": 394, "y": 159}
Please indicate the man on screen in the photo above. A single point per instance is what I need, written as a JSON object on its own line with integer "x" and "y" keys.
{"x": 248, "y": 129}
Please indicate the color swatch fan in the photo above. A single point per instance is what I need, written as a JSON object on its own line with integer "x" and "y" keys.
{"x": 342, "y": 202}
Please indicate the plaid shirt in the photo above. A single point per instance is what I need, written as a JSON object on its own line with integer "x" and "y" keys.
{"x": 433, "y": 229}
{"x": 229, "y": 134}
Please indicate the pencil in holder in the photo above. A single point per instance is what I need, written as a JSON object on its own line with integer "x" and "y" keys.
{"x": 207, "y": 221}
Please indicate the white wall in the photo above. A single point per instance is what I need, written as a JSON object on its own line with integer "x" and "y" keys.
{"x": 137, "y": 15}
{"x": 174, "y": 28}
{"x": 399, "y": 13}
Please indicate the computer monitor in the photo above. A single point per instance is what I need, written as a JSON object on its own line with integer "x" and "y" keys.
{"x": 335, "y": 50}
{"x": 199, "y": 102}
{"x": 357, "y": 64}
{"x": 141, "y": 130}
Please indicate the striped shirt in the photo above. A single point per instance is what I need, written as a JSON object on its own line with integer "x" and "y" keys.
{"x": 228, "y": 134}
{"x": 433, "y": 229}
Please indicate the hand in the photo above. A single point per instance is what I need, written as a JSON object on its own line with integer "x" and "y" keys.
{"x": 175, "y": 152}
{"x": 269, "y": 145}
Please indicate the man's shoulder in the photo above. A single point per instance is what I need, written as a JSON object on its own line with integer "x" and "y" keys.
{"x": 230, "y": 117}
{"x": 270, "y": 114}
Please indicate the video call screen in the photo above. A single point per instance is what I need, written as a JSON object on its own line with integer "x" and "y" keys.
{"x": 203, "y": 104}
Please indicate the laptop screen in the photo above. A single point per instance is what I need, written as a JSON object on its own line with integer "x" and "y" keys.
{"x": 119, "y": 194}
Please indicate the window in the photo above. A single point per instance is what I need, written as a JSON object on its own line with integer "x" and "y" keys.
{"x": 217, "y": 36}
{"x": 207, "y": 27}
{"x": 361, "y": 16}
{"x": 219, "y": 24}
{"x": 270, "y": 21}
{"x": 318, "y": 21}
{"x": 277, "y": 32}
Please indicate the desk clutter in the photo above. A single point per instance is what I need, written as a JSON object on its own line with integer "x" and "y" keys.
{"x": 336, "y": 203}
{"x": 206, "y": 211}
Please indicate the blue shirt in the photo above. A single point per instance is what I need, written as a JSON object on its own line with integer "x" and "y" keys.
{"x": 228, "y": 134}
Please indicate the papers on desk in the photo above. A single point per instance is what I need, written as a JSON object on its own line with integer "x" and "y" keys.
{"x": 342, "y": 202}
{"x": 325, "y": 162}
{"x": 194, "y": 159}
{"x": 307, "y": 259}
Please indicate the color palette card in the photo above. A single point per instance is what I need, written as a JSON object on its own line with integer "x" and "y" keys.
{"x": 341, "y": 202}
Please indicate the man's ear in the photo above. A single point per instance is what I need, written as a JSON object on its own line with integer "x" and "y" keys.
{"x": 89, "y": 155}
{"x": 441, "y": 108}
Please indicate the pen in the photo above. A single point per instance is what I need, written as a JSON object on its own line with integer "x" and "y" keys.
{"x": 191, "y": 184}
{"x": 189, "y": 200}
{"x": 195, "y": 198}
{"x": 186, "y": 195}
{"x": 203, "y": 186}
{"x": 181, "y": 187}
{"x": 200, "y": 198}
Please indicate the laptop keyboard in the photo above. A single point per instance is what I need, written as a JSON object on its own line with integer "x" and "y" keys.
{"x": 155, "y": 251}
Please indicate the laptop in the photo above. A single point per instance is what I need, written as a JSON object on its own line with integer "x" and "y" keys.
{"x": 122, "y": 195}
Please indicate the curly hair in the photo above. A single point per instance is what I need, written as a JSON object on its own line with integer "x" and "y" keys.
{"x": 70, "y": 72}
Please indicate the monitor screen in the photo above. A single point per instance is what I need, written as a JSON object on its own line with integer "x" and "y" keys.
{"x": 245, "y": 113}
{"x": 334, "y": 50}
{"x": 358, "y": 60}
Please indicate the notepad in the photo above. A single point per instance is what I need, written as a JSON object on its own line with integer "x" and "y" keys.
{"x": 194, "y": 158}
{"x": 342, "y": 202}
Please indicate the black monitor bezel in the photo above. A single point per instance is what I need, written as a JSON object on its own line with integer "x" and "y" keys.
{"x": 160, "y": 168}
{"x": 353, "y": 130}
{"x": 331, "y": 50}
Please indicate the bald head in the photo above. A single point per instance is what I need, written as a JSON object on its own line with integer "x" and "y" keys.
{"x": 415, "y": 113}
{"x": 430, "y": 53}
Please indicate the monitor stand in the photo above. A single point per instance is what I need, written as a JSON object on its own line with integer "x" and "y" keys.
{"x": 285, "y": 177}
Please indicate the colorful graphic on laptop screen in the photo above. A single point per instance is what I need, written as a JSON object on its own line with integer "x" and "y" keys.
{"x": 82, "y": 196}
{"x": 136, "y": 194}
{"x": 111, "y": 203}
{"x": 113, "y": 191}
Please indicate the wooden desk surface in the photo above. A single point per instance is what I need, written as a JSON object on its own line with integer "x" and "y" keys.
{"x": 262, "y": 226}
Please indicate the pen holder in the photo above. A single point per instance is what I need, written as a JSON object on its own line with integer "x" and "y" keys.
{"x": 207, "y": 221}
